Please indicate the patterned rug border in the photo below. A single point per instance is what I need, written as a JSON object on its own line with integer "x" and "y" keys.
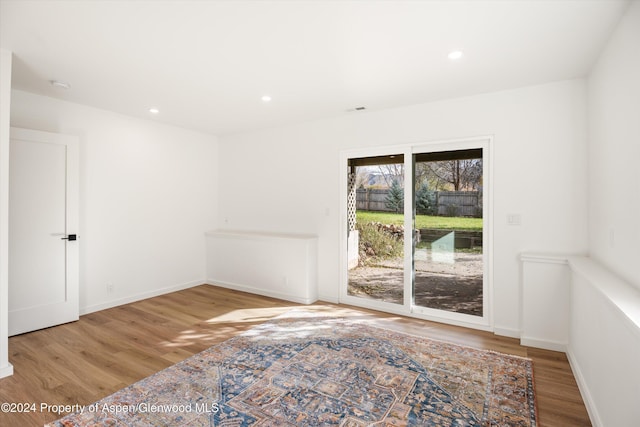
{"x": 302, "y": 315}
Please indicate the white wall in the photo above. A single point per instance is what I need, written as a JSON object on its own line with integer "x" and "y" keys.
{"x": 5, "y": 103}
{"x": 279, "y": 265}
{"x": 148, "y": 194}
{"x": 287, "y": 179}
{"x": 614, "y": 151}
{"x": 546, "y": 301}
{"x": 574, "y": 304}
{"x": 604, "y": 343}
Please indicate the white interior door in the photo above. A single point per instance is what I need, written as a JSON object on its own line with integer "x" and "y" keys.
{"x": 43, "y": 220}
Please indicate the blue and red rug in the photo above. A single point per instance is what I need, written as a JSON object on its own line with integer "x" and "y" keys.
{"x": 323, "y": 372}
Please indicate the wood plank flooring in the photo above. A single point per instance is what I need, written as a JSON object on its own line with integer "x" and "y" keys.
{"x": 84, "y": 361}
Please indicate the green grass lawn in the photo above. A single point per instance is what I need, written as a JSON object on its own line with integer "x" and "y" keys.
{"x": 422, "y": 221}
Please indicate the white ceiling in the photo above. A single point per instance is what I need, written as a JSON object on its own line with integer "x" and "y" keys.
{"x": 206, "y": 64}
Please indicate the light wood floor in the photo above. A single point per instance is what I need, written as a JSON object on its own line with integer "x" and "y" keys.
{"x": 84, "y": 361}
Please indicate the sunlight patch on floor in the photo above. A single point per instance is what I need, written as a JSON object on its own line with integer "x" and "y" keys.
{"x": 251, "y": 315}
{"x": 218, "y": 328}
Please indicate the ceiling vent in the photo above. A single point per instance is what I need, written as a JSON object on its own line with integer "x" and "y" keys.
{"x": 60, "y": 85}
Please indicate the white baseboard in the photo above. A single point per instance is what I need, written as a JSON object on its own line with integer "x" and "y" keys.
{"x": 138, "y": 297}
{"x": 506, "y": 332}
{"x": 327, "y": 298}
{"x": 584, "y": 390}
{"x": 6, "y": 371}
{"x": 258, "y": 291}
{"x": 546, "y": 345}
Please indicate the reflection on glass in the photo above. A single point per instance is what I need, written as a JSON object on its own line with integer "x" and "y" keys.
{"x": 442, "y": 250}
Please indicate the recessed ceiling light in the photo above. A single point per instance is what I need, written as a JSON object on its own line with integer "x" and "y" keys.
{"x": 266, "y": 98}
{"x": 456, "y": 54}
{"x": 154, "y": 110}
{"x": 59, "y": 84}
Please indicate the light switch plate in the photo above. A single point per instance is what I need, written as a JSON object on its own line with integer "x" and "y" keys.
{"x": 514, "y": 219}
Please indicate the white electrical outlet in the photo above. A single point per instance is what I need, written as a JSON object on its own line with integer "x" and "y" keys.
{"x": 110, "y": 288}
{"x": 612, "y": 238}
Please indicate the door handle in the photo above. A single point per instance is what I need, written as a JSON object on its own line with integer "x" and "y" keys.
{"x": 70, "y": 237}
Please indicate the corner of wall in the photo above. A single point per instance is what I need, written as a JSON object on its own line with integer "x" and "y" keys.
{"x": 614, "y": 179}
{"x": 5, "y": 106}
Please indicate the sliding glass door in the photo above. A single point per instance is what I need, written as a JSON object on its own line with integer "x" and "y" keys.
{"x": 414, "y": 238}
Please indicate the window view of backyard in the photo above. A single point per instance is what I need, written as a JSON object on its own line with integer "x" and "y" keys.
{"x": 447, "y": 233}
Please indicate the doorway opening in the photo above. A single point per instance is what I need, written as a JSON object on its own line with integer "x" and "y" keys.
{"x": 376, "y": 232}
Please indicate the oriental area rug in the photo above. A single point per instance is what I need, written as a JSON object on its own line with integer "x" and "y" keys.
{"x": 310, "y": 371}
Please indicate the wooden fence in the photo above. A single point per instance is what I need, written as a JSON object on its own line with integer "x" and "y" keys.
{"x": 459, "y": 203}
{"x": 448, "y": 203}
{"x": 372, "y": 200}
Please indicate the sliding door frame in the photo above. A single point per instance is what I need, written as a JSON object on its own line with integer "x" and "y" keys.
{"x": 484, "y": 322}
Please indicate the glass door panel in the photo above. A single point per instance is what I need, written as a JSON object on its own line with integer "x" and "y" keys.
{"x": 448, "y": 245}
{"x": 375, "y": 240}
